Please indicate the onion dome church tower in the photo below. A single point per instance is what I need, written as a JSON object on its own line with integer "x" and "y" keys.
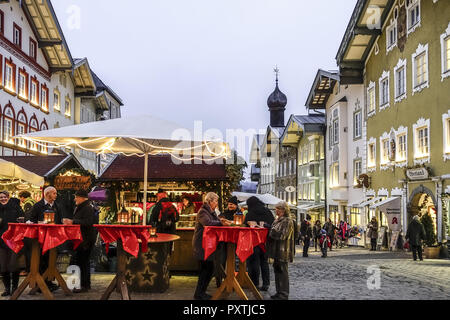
{"x": 277, "y": 105}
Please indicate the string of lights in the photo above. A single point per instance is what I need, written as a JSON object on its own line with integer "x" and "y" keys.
{"x": 106, "y": 148}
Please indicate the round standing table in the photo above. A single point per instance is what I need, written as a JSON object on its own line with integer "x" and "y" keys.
{"x": 149, "y": 271}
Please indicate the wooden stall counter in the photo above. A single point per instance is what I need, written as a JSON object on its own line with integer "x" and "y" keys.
{"x": 182, "y": 258}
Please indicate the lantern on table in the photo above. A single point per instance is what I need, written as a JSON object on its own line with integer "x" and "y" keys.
{"x": 123, "y": 217}
{"x": 153, "y": 232}
{"x": 238, "y": 219}
{"x": 49, "y": 216}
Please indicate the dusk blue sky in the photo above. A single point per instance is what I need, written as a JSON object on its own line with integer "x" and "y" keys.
{"x": 210, "y": 60}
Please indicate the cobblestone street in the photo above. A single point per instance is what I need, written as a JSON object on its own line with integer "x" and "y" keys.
{"x": 342, "y": 275}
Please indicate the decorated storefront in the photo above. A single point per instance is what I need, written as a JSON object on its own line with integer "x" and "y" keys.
{"x": 123, "y": 180}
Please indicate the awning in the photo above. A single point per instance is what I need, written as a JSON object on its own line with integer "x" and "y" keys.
{"x": 310, "y": 206}
{"x": 369, "y": 202}
{"x": 315, "y": 206}
{"x": 9, "y": 170}
{"x": 302, "y": 207}
{"x": 382, "y": 204}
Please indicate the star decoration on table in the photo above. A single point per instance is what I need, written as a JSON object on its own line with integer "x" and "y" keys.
{"x": 128, "y": 277}
{"x": 148, "y": 276}
{"x": 151, "y": 256}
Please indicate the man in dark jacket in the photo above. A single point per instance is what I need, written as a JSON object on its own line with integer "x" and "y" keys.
{"x": 84, "y": 215}
{"x": 164, "y": 215}
{"x": 415, "y": 235}
{"x": 232, "y": 209}
{"x": 329, "y": 228}
{"x": 37, "y": 214}
{"x": 257, "y": 213}
{"x": 306, "y": 234}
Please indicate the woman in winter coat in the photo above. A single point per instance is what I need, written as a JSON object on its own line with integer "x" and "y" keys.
{"x": 206, "y": 216}
{"x": 281, "y": 248}
{"x": 316, "y": 234}
{"x": 258, "y": 261}
{"x": 9, "y": 212}
{"x": 373, "y": 233}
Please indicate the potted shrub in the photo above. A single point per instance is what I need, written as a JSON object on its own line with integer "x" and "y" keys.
{"x": 431, "y": 250}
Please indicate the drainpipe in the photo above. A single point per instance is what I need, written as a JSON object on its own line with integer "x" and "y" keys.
{"x": 325, "y": 168}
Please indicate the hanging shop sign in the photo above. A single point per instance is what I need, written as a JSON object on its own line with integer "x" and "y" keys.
{"x": 417, "y": 173}
{"x": 363, "y": 181}
{"x": 393, "y": 213}
{"x": 72, "y": 183}
{"x": 290, "y": 189}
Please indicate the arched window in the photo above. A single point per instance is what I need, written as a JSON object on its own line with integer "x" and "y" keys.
{"x": 8, "y": 124}
{"x": 22, "y": 127}
{"x": 33, "y": 127}
{"x": 43, "y": 148}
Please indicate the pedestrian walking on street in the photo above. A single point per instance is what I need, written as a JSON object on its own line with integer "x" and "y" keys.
{"x": 342, "y": 233}
{"x": 281, "y": 248}
{"x": 258, "y": 261}
{"x": 330, "y": 228}
{"x": 9, "y": 212}
{"x": 206, "y": 216}
{"x": 415, "y": 235}
{"x": 324, "y": 242}
{"x": 316, "y": 233}
{"x": 306, "y": 234}
{"x": 373, "y": 233}
{"x": 84, "y": 215}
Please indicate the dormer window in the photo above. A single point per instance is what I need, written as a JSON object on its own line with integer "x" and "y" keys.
{"x": 17, "y": 36}
{"x": 33, "y": 49}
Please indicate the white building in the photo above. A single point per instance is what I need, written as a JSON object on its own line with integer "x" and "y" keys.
{"x": 36, "y": 87}
{"x": 41, "y": 86}
{"x": 94, "y": 101}
{"x": 345, "y": 144}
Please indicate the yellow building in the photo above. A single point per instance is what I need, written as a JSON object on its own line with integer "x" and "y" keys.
{"x": 400, "y": 51}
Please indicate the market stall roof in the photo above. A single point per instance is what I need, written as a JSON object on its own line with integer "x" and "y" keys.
{"x": 9, "y": 170}
{"x": 43, "y": 166}
{"x": 134, "y": 135}
{"x": 160, "y": 168}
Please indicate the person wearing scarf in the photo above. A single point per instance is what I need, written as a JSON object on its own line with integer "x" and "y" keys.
{"x": 281, "y": 248}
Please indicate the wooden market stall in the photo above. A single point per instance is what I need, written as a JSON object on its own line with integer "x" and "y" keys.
{"x": 123, "y": 178}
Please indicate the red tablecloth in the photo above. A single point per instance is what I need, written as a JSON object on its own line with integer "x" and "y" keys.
{"x": 49, "y": 235}
{"x": 128, "y": 234}
{"x": 244, "y": 238}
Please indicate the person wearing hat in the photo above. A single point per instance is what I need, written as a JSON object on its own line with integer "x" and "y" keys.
{"x": 164, "y": 214}
{"x": 84, "y": 215}
{"x": 232, "y": 209}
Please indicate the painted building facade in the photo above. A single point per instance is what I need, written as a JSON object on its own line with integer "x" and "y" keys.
{"x": 41, "y": 86}
{"x": 344, "y": 144}
{"x": 305, "y": 134}
{"x": 403, "y": 60}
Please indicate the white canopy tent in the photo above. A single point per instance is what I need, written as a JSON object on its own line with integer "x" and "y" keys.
{"x": 9, "y": 170}
{"x": 266, "y": 198}
{"x": 138, "y": 135}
